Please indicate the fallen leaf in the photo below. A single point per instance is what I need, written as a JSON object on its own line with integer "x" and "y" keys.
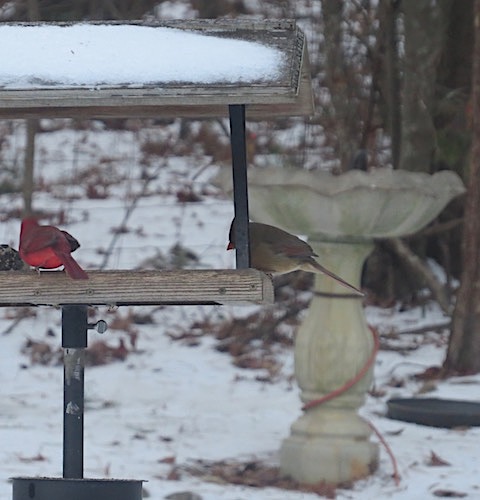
{"x": 394, "y": 433}
{"x": 436, "y": 461}
{"x": 35, "y": 458}
{"x": 174, "y": 475}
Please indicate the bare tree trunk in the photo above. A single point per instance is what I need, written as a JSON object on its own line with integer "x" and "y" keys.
{"x": 423, "y": 22}
{"x": 338, "y": 82}
{"x": 463, "y": 354}
{"x": 33, "y": 10}
{"x": 28, "y": 167}
{"x": 33, "y": 13}
{"x": 389, "y": 16}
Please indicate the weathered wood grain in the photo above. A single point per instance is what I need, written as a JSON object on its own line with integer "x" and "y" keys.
{"x": 118, "y": 288}
{"x": 289, "y": 94}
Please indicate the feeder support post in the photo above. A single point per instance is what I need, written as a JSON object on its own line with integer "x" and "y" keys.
{"x": 74, "y": 343}
{"x": 240, "y": 186}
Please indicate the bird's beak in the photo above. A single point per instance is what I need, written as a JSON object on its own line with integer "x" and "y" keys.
{"x": 230, "y": 246}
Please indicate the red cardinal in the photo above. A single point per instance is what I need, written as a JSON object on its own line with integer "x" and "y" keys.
{"x": 275, "y": 251}
{"x": 48, "y": 247}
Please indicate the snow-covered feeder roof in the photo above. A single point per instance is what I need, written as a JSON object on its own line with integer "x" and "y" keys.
{"x": 173, "y": 68}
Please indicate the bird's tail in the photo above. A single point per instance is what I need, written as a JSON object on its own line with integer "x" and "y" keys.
{"x": 313, "y": 265}
{"x": 72, "y": 268}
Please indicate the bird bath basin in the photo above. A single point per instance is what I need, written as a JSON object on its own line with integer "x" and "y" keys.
{"x": 340, "y": 216}
{"x": 355, "y": 205}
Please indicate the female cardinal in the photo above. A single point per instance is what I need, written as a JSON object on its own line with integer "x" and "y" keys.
{"x": 48, "y": 247}
{"x": 275, "y": 251}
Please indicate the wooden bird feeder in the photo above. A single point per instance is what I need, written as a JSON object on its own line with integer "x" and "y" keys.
{"x": 288, "y": 92}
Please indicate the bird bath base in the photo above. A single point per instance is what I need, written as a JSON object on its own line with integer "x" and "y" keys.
{"x": 330, "y": 442}
{"x": 331, "y": 445}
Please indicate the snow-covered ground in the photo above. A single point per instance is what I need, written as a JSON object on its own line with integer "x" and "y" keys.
{"x": 171, "y": 403}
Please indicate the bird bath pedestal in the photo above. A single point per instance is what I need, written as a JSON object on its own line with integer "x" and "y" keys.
{"x": 330, "y": 442}
{"x": 340, "y": 215}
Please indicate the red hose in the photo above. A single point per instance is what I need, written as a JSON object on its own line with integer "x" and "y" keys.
{"x": 349, "y": 383}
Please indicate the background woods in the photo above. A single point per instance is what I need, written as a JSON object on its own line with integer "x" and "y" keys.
{"x": 392, "y": 83}
{"x": 396, "y": 87}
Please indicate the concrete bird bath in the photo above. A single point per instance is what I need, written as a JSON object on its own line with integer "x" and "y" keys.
{"x": 340, "y": 215}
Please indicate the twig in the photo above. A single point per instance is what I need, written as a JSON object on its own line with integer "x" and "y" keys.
{"x": 441, "y": 227}
{"x": 414, "y": 262}
{"x": 426, "y": 328}
{"x": 128, "y": 212}
{"x": 13, "y": 325}
{"x": 201, "y": 170}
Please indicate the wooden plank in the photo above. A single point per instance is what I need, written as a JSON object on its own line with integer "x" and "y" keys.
{"x": 289, "y": 94}
{"x": 120, "y": 288}
{"x": 301, "y": 107}
{"x": 186, "y": 101}
{"x": 179, "y": 95}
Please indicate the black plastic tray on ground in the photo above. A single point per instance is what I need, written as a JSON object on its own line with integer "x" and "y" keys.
{"x": 435, "y": 412}
{"x": 49, "y": 488}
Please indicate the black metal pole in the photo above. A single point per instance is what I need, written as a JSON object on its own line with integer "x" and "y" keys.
{"x": 74, "y": 342}
{"x": 240, "y": 186}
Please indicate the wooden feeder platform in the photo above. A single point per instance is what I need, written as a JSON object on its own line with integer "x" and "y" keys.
{"x": 140, "y": 288}
{"x": 288, "y": 93}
